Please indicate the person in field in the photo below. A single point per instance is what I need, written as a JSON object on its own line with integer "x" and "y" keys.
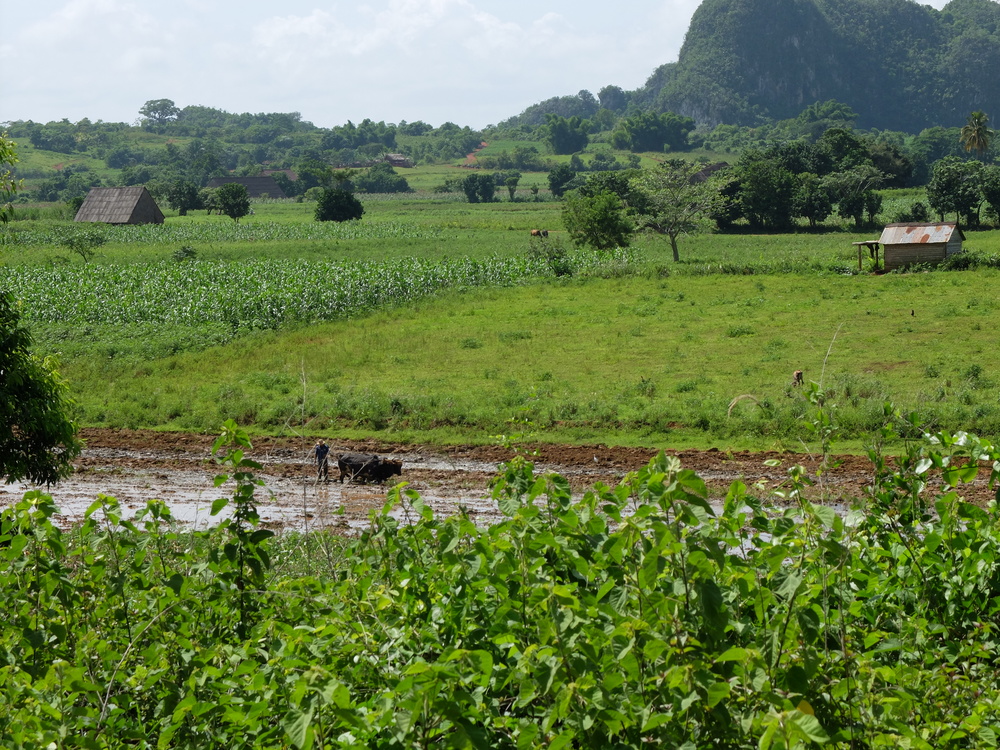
{"x": 322, "y": 453}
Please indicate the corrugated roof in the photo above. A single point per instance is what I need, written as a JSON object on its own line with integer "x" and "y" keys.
{"x": 919, "y": 234}
{"x": 119, "y": 205}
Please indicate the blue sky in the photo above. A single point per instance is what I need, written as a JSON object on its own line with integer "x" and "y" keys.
{"x": 473, "y": 62}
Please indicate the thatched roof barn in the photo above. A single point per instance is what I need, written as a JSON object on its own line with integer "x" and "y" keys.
{"x": 398, "y": 160}
{"x": 120, "y": 205}
{"x": 257, "y": 187}
{"x": 906, "y": 244}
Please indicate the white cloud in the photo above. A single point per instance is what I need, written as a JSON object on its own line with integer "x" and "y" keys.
{"x": 468, "y": 61}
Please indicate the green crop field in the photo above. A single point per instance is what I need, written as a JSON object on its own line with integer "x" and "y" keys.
{"x": 621, "y": 617}
{"x": 435, "y": 319}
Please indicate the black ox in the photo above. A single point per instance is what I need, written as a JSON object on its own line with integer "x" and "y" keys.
{"x": 367, "y": 467}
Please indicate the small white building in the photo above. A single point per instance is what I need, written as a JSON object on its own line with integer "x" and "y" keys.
{"x": 906, "y": 244}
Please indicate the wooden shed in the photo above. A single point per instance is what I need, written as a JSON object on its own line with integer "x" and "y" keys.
{"x": 257, "y": 187}
{"x": 906, "y": 244}
{"x": 120, "y": 205}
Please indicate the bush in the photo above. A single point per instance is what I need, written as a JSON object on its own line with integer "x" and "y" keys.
{"x": 338, "y": 205}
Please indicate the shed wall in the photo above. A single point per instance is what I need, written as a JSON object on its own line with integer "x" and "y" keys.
{"x": 896, "y": 256}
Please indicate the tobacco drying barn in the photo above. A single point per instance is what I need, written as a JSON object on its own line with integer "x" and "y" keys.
{"x": 120, "y": 205}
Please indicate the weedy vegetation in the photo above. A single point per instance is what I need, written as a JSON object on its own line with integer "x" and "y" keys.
{"x": 630, "y": 616}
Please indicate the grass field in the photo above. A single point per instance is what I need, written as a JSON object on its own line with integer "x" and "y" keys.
{"x": 631, "y": 350}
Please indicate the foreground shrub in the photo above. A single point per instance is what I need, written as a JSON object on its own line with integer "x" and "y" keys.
{"x": 631, "y": 617}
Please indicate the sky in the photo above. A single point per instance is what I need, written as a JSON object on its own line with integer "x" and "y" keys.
{"x": 471, "y": 62}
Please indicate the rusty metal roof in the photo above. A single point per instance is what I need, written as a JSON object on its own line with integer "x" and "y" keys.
{"x": 919, "y": 234}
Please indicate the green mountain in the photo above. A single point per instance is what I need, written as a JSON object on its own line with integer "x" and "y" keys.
{"x": 898, "y": 64}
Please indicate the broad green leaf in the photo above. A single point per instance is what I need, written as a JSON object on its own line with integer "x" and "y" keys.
{"x": 298, "y": 727}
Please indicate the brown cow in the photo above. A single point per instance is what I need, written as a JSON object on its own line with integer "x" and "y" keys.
{"x": 797, "y": 378}
{"x": 539, "y": 232}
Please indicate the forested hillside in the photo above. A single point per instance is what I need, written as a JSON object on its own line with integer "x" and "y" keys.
{"x": 898, "y": 64}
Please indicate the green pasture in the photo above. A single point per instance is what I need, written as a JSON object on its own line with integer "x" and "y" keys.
{"x": 283, "y": 323}
{"x": 694, "y": 361}
{"x": 435, "y": 225}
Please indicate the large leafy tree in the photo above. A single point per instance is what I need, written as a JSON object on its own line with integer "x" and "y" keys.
{"x": 560, "y": 178}
{"x": 600, "y": 220}
{"x": 976, "y": 135}
{"x": 158, "y": 112}
{"x": 649, "y": 131}
{"x": 955, "y": 187}
{"x": 854, "y": 192}
{"x": 233, "y": 200}
{"x": 812, "y": 199}
{"x": 37, "y": 437}
{"x": 336, "y": 204}
{"x": 566, "y": 135}
{"x": 766, "y": 191}
{"x": 991, "y": 188}
{"x": 8, "y": 183}
{"x": 677, "y": 200}
{"x": 184, "y": 196}
{"x": 382, "y": 178}
{"x": 479, "y": 187}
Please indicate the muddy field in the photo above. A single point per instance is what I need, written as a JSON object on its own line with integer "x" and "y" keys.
{"x": 136, "y": 466}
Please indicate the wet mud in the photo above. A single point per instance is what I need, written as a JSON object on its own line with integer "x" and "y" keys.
{"x": 137, "y": 466}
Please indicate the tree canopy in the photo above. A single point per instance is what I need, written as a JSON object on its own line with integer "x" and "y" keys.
{"x": 336, "y": 204}
{"x": 37, "y": 437}
{"x": 233, "y": 200}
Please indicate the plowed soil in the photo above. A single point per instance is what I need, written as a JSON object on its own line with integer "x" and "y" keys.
{"x": 136, "y": 466}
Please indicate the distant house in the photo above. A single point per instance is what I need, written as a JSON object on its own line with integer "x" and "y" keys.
{"x": 120, "y": 205}
{"x": 398, "y": 160}
{"x": 257, "y": 187}
{"x": 906, "y": 244}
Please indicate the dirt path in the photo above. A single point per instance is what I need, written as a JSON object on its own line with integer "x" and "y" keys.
{"x": 136, "y": 466}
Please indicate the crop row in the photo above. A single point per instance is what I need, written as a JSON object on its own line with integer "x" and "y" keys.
{"x": 258, "y": 294}
{"x": 218, "y": 231}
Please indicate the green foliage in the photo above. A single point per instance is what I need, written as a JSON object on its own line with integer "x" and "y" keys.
{"x": 479, "y": 187}
{"x": 8, "y": 184}
{"x": 741, "y": 61}
{"x": 766, "y": 191}
{"x": 559, "y": 179}
{"x": 675, "y": 200}
{"x": 338, "y": 205}
{"x": 648, "y": 131}
{"x": 246, "y": 295}
{"x": 84, "y": 241}
{"x": 37, "y": 437}
{"x": 184, "y": 196}
{"x": 955, "y": 187}
{"x": 566, "y": 135}
{"x": 233, "y": 200}
{"x": 649, "y": 613}
{"x": 599, "y": 221}
{"x": 976, "y": 135}
{"x": 382, "y": 178}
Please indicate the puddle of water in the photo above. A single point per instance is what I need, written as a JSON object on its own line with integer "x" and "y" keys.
{"x": 295, "y": 503}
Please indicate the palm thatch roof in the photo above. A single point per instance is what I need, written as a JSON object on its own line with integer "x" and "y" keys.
{"x": 120, "y": 205}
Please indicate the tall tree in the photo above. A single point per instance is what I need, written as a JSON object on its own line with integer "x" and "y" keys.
{"x": 566, "y": 135}
{"x": 8, "y": 184}
{"x": 233, "y": 200}
{"x": 37, "y": 438}
{"x": 976, "y": 135}
{"x": 955, "y": 187}
{"x": 677, "y": 200}
{"x": 597, "y": 220}
{"x": 158, "y": 112}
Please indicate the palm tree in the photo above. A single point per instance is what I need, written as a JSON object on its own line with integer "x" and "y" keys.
{"x": 976, "y": 136}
